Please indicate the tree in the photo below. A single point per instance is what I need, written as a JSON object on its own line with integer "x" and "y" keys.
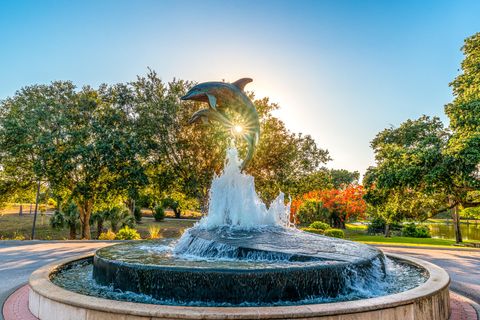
{"x": 80, "y": 141}
{"x": 183, "y": 157}
{"x": 342, "y": 205}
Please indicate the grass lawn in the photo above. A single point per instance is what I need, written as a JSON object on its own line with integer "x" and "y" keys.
{"x": 359, "y": 233}
{"x": 13, "y": 226}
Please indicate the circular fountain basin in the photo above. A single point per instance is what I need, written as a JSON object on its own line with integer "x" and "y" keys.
{"x": 429, "y": 300}
{"x": 259, "y": 266}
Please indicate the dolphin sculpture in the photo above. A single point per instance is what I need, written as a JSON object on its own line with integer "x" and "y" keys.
{"x": 223, "y": 96}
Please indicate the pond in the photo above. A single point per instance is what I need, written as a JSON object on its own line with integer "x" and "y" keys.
{"x": 444, "y": 230}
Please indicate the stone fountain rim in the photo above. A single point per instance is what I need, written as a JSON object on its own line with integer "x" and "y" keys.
{"x": 41, "y": 284}
{"x": 312, "y": 265}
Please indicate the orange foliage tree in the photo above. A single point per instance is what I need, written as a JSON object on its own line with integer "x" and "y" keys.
{"x": 341, "y": 204}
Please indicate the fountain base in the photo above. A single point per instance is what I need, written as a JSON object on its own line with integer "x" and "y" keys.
{"x": 238, "y": 266}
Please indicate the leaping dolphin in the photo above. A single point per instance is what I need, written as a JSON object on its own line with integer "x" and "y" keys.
{"x": 222, "y": 96}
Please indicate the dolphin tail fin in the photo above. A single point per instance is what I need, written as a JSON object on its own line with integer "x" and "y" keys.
{"x": 251, "y": 149}
{"x": 241, "y": 83}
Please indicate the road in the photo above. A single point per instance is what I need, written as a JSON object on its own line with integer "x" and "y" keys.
{"x": 19, "y": 258}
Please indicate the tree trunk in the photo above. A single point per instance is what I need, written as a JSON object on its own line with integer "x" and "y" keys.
{"x": 177, "y": 213}
{"x": 85, "y": 213}
{"x": 456, "y": 225}
{"x": 387, "y": 230}
{"x": 99, "y": 227}
{"x": 20, "y": 213}
{"x": 36, "y": 210}
{"x": 73, "y": 232}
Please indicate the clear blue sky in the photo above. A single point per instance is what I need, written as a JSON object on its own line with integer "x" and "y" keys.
{"x": 341, "y": 70}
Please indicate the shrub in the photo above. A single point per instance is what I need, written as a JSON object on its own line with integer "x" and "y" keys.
{"x": 137, "y": 213}
{"x": 335, "y": 233}
{"x": 319, "y": 225}
{"x": 154, "y": 231}
{"x": 414, "y": 231}
{"x": 377, "y": 225}
{"x": 120, "y": 216}
{"x": 127, "y": 233}
{"x": 18, "y": 236}
{"x": 313, "y": 230}
{"x": 57, "y": 221}
{"x": 159, "y": 213}
{"x": 109, "y": 235}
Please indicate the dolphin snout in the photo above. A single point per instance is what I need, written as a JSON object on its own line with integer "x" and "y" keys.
{"x": 187, "y": 96}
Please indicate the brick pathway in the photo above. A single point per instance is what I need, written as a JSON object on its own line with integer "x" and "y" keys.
{"x": 16, "y": 307}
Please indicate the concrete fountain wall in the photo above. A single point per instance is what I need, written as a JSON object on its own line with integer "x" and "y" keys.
{"x": 429, "y": 301}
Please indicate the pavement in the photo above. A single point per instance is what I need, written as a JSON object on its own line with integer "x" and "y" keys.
{"x": 18, "y": 259}
{"x": 463, "y": 265}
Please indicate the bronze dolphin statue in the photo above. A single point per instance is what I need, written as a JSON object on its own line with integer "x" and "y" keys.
{"x": 222, "y": 96}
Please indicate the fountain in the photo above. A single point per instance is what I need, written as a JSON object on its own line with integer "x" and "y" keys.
{"x": 242, "y": 260}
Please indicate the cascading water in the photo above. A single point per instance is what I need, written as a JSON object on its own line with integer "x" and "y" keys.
{"x": 235, "y": 203}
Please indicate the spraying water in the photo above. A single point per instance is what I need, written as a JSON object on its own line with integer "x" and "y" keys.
{"x": 234, "y": 201}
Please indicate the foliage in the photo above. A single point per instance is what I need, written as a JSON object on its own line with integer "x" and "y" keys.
{"x": 69, "y": 217}
{"x": 154, "y": 231}
{"x": 414, "y": 231}
{"x": 99, "y": 217}
{"x": 127, "y": 233}
{"x": 336, "y": 233}
{"x": 424, "y": 168}
{"x": 178, "y": 202}
{"x": 159, "y": 213}
{"x": 137, "y": 214}
{"x": 120, "y": 216}
{"x": 57, "y": 221}
{"x": 109, "y": 235}
{"x": 82, "y": 141}
{"x": 337, "y": 206}
{"x": 319, "y": 225}
{"x": 471, "y": 213}
{"x": 312, "y": 210}
{"x": 313, "y": 230}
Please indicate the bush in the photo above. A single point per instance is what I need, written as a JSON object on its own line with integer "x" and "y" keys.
{"x": 154, "y": 231}
{"x": 120, "y": 216}
{"x": 377, "y": 225}
{"x": 319, "y": 225}
{"x": 159, "y": 213}
{"x": 109, "y": 235}
{"x": 311, "y": 211}
{"x": 57, "y": 221}
{"x": 313, "y": 230}
{"x": 127, "y": 233}
{"x": 414, "y": 231}
{"x": 137, "y": 213}
{"x": 335, "y": 233}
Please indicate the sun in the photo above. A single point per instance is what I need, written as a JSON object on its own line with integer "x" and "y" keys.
{"x": 238, "y": 129}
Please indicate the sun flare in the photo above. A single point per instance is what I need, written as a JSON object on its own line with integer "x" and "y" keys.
{"x": 238, "y": 129}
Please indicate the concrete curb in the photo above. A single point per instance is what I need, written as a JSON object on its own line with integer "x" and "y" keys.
{"x": 430, "y": 298}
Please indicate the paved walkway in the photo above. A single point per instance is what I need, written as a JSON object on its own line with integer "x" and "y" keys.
{"x": 463, "y": 266}
{"x": 18, "y": 259}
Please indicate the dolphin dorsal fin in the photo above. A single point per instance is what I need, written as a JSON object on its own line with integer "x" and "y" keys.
{"x": 241, "y": 83}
